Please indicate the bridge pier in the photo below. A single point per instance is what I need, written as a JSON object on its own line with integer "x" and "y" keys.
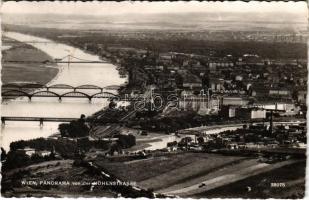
{"x": 2, "y": 121}
{"x": 60, "y": 100}
{"x": 41, "y": 122}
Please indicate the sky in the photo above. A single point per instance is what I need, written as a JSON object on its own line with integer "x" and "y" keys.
{"x": 115, "y": 8}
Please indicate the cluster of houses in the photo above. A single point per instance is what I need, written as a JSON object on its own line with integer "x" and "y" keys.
{"x": 233, "y": 83}
{"x": 31, "y": 152}
{"x": 248, "y": 137}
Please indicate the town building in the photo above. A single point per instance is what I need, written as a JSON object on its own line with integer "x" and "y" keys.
{"x": 234, "y": 101}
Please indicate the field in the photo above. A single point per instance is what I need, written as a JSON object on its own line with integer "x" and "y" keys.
{"x": 164, "y": 171}
{"x": 293, "y": 177}
{"x": 25, "y": 72}
{"x": 192, "y": 174}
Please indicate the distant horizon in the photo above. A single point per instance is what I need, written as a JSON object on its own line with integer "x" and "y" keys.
{"x": 188, "y": 17}
{"x": 222, "y": 15}
{"x": 158, "y": 15}
{"x": 126, "y": 7}
{"x": 164, "y": 13}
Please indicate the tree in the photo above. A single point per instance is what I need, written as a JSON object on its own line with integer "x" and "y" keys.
{"x": 76, "y": 128}
{"x": 115, "y": 148}
{"x": 36, "y": 158}
{"x": 16, "y": 159}
{"x": 112, "y": 104}
{"x": 172, "y": 144}
{"x": 3, "y": 154}
{"x": 126, "y": 141}
{"x": 200, "y": 140}
{"x": 63, "y": 129}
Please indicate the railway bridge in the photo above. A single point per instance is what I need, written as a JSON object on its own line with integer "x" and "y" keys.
{"x": 36, "y": 86}
{"x": 39, "y": 119}
{"x": 60, "y": 91}
{"x": 9, "y": 94}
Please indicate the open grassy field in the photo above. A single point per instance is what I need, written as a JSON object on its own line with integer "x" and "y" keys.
{"x": 293, "y": 177}
{"x": 215, "y": 172}
{"x": 182, "y": 174}
{"x": 164, "y": 171}
{"x": 25, "y": 72}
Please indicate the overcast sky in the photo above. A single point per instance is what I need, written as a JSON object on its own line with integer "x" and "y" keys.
{"x": 103, "y": 8}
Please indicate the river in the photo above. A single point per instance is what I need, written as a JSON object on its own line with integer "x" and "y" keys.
{"x": 100, "y": 74}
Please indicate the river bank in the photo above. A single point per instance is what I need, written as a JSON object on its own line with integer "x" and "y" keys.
{"x": 100, "y": 74}
{"x": 26, "y": 72}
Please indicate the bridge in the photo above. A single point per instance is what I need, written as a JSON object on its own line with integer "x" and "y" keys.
{"x": 48, "y": 61}
{"x": 9, "y": 94}
{"x": 12, "y": 86}
{"x": 30, "y": 90}
{"x": 29, "y": 41}
{"x": 4, "y": 119}
{"x": 66, "y": 59}
{"x": 39, "y": 119}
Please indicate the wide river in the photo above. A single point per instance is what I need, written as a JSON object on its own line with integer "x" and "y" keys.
{"x": 100, "y": 74}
